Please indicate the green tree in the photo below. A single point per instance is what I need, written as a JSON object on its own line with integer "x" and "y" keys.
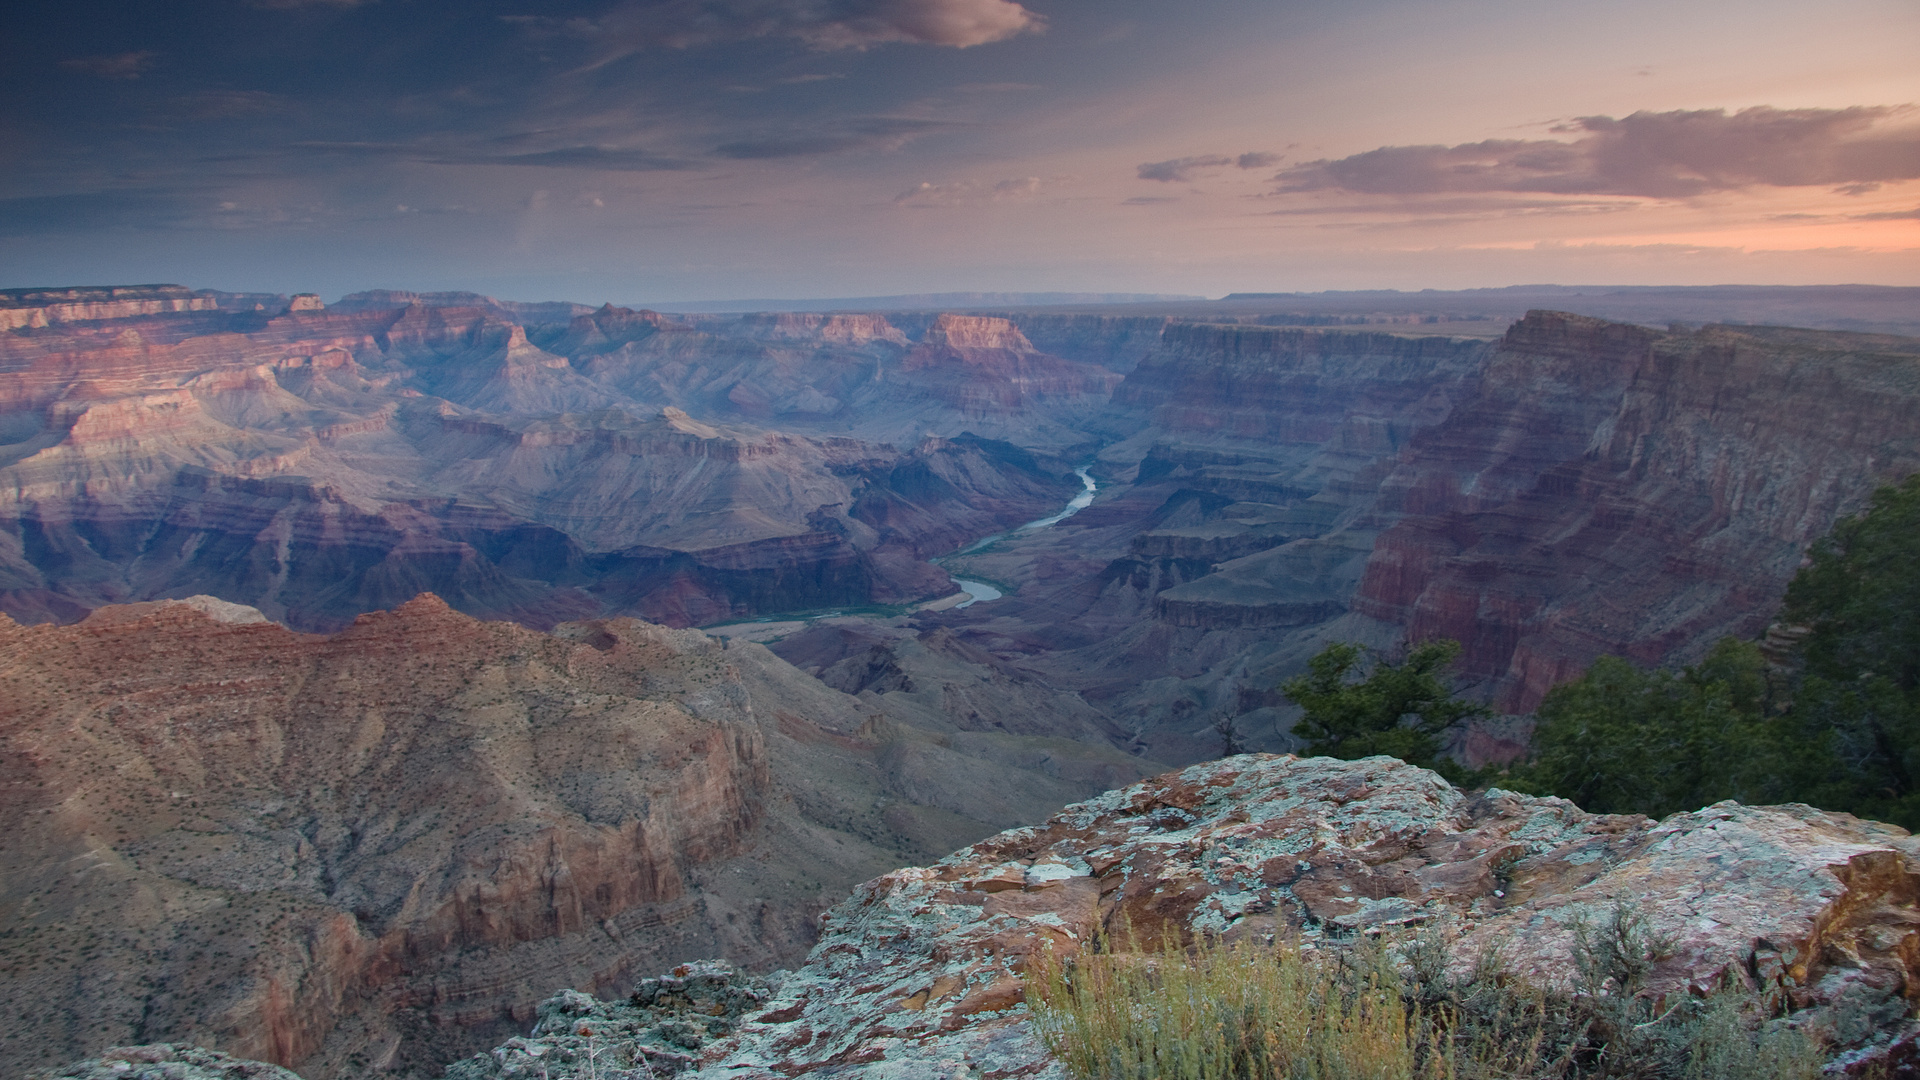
{"x": 1397, "y": 709}
{"x": 1619, "y": 740}
{"x": 1858, "y": 701}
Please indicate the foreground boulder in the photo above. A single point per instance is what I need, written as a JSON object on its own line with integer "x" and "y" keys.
{"x": 919, "y": 972}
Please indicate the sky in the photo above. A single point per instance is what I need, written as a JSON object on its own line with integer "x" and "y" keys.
{"x": 676, "y": 150}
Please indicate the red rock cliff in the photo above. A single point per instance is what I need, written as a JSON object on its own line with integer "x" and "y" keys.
{"x": 1612, "y": 489}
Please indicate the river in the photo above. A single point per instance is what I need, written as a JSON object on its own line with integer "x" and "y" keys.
{"x": 773, "y": 627}
{"x": 978, "y": 591}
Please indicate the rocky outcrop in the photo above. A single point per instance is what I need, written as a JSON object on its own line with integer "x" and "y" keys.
{"x": 286, "y": 839}
{"x": 165, "y": 1061}
{"x": 920, "y": 972}
{"x": 1612, "y": 489}
{"x": 376, "y": 851}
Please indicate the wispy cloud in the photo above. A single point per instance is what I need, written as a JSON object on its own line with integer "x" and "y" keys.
{"x": 126, "y": 65}
{"x": 1889, "y": 215}
{"x": 1181, "y": 170}
{"x": 869, "y": 133}
{"x": 604, "y": 158}
{"x": 971, "y": 192}
{"x": 821, "y": 24}
{"x": 1669, "y": 155}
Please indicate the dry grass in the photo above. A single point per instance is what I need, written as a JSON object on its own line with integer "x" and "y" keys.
{"x": 1371, "y": 1012}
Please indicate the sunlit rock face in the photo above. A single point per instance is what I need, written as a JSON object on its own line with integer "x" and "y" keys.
{"x": 379, "y": 850}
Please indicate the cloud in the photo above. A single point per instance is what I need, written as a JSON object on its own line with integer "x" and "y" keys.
{"x": 1667, "y": 155}
{"x": 1889, "y": 215}
{"x": 581, "y": 157}
{"x": 1149, "y": 200}
{"x": 821, "y": 24}
{"x": 1180, "y": 169}
{"x": 126, "y": 65}
{"x": 872, "y": 133}
{"x": 602, "y": 158}
{"x": 971, "y": 192}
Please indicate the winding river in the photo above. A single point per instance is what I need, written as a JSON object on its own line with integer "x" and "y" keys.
{"x": 978, "y": 591}
{"x": 772, "y": 627}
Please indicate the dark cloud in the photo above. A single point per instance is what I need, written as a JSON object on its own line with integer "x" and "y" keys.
{"x": 1656, "y": 155}
{"x": 873, "y": 133}
{"x": 821, "y": 24}
{"x": 1180, "y": 169}
{"x": 1889, "y": 215}
{"x": 126, "y": 65}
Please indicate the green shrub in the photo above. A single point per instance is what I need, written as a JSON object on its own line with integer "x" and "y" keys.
{"x": 1397, "y": 709}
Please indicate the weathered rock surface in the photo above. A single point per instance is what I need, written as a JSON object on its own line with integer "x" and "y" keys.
{"x": 165, "y": 1061}
{"x": 378, "y": 850}
{"x": 919, "y": 973}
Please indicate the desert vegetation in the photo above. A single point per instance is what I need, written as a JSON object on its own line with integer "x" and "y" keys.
{"x": 1376, "y": 1009}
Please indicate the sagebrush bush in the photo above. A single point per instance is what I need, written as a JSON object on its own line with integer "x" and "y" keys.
{"x": 1373, "y": 1011}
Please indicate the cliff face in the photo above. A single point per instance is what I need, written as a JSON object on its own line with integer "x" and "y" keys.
{"x": 44, "y": 307}
{"x": 1614, "y": 489}
{"x": 377, "y": 850}
{"x": 287, "y": 836}
{"x": 982, "y": 366}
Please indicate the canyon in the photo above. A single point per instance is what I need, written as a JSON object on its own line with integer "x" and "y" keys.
{"x": 377, "y": 850}
{"x": 408, "y": 819}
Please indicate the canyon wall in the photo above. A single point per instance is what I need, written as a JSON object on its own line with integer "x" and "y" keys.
{"x": 376, "y": 851}
{"x": 1612, "y": 489}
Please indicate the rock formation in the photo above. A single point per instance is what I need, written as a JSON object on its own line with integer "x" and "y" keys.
{"x": 378, "y": 850}
{"x": 919, "y": 973}
{"x": 321, "y": 463}
{"x": 1614, "y": 489}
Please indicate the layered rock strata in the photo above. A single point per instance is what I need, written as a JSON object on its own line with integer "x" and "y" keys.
{"x": 376, "y": 851}
{"x": 322, "y": 463}
{"x": 1615, "y": 489}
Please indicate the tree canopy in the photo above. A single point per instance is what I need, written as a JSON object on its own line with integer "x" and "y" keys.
{"x": 1397, "y": 709}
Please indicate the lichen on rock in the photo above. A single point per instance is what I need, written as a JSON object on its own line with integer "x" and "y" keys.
{"x": 166, "y": 1061}
{"x": 658, "y": 1031}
